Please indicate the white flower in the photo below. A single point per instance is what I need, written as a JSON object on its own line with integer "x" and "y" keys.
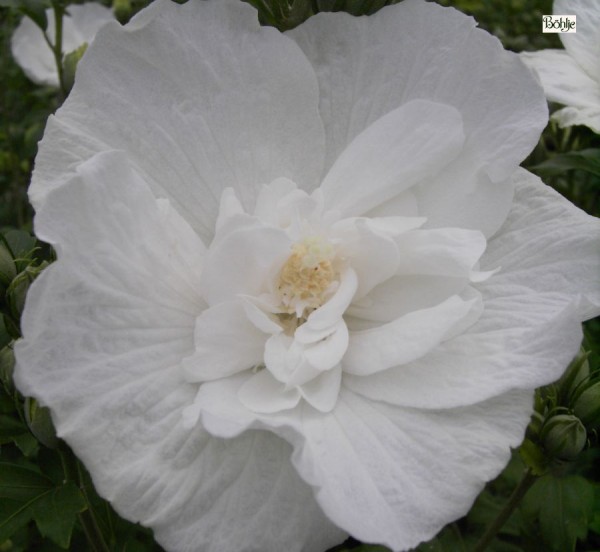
{"x": 303, "y": 289}
{"x": 32, "y": 52}
{"x": 572, "y": 76}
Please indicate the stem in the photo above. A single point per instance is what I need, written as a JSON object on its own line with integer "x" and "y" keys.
{"x": 95, "y": 528}
{"x": 56, "y": 48}
{"x": 514, "y": 500}
{"x": 72, "y": 472}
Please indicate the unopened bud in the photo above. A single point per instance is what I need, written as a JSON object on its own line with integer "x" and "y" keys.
{"x": 122, "y": 9}
{"x": 70, "y": 65}
{"x": 16, "y": 293}
{"x": 587, "y": 406}
{"x": 564, "y": 436}
{"x": 576, "y": 372}
{"x": 7, "y": 266}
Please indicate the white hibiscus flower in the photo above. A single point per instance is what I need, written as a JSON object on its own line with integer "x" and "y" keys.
{"x": 572, "y": 76}
{"x": 33, "y": 53}
{"x": 303, "y": 288}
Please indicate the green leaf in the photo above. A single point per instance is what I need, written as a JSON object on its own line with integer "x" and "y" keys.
{"x": 55, "y": 513}
{"x": 21, "y": 244}
{"x": 13, "y": 516}
{"x": 534, "y": 457}
{"x": 587, "y": 160}
{"x": 31, "y": 494}
{"x": 21, "y": 483}
{"x": 563, "y": 507}
{"x": 27, "y": 444}
{"x": 10, "y": 428}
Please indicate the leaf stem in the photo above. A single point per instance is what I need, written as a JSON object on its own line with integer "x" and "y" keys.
{"x": 99, "y": 537}
{"x": 515, "y": 498}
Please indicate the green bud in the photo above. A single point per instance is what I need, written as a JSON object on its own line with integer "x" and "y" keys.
{"x": 587, "y": 406}
{"x": 7, "y": 266}
{"x": 70, "y": 62}
{"x": 16, "y": 293}
{"x": 122, "y": 10}
{"x": 7, "y": 364}
{"x": 575, "y": 373}
{"x": 564, "y": 436}
{"x": 40, "y": 423}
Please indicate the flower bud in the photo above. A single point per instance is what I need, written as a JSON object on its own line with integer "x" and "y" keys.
{"x": 7, "y": 364}
{"x": 16, "y": 293}
{"x": 587, "y": 406}
{"x": 7, "y": 266}
{"x": 576, "y": 372}
{"x": 122, "y": 10}
{"x": 40, "y": 424}
{"x": 70, "y": 64}
{"x": 564, "y": 436}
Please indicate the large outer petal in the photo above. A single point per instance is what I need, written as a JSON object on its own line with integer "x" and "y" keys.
{"x": 106, "y": 328}
{"x": 549, "y": 258}
{"x": 369, "y": 66}
{"x": 201, "y": 98}
{"x": 387, "y": 474}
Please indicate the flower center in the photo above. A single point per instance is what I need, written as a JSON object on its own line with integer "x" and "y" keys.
{"x": 307, "y": 277}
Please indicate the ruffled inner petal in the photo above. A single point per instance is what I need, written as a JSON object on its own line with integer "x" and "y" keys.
{"x": 404, "y": 147}
{"x": 226, "y": 342}
{"x": 241, "y": 261}
{"x": 405, "y": 339}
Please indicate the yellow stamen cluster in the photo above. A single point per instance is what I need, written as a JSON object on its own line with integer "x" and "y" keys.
{"x": 306, "y": 276}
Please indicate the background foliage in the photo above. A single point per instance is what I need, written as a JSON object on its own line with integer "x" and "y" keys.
{"x": 547, "y": 499}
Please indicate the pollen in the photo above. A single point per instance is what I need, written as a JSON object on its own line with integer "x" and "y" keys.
{"x": 307, "y": 276}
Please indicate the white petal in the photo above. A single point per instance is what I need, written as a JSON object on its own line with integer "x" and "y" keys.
{"x": 105, "y": 331}
{"x": 322, "y": 392}
{"x": 369, "y": 248}
{"x": 403, "y": 340}
{"x": 396, "y": 476}
{"x": 584, "y": 45}
{"x": 546, "y": 245}
{"x": 331, "y": 312}
{"x": 226, "y": 342}
{"x": 521, "y": 341}
{"x": 242, "y": 261}
{"x": 263, "y": 321}
{"x": 229, "y": 207}
{"x": 327, "y": 353}
{"x": 401, "y": 295}
{"x": 403, "y": 148}
{"x": 588, "y": 116}
{"x": 365, "y": 70}
{"x": 447, "y": 251}
{"x": 201, "y": 98}
{"x": 565, "y": 82}
{"x": 286, "y": 361}
{"x": 31, "y": 51}
{"x": 263, "y": 393}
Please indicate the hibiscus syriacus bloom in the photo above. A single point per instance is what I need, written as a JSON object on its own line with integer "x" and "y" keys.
{"x": 303, "y": 288}
{"x": 572, "y": 76}
{"x": 33, "y": 53}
